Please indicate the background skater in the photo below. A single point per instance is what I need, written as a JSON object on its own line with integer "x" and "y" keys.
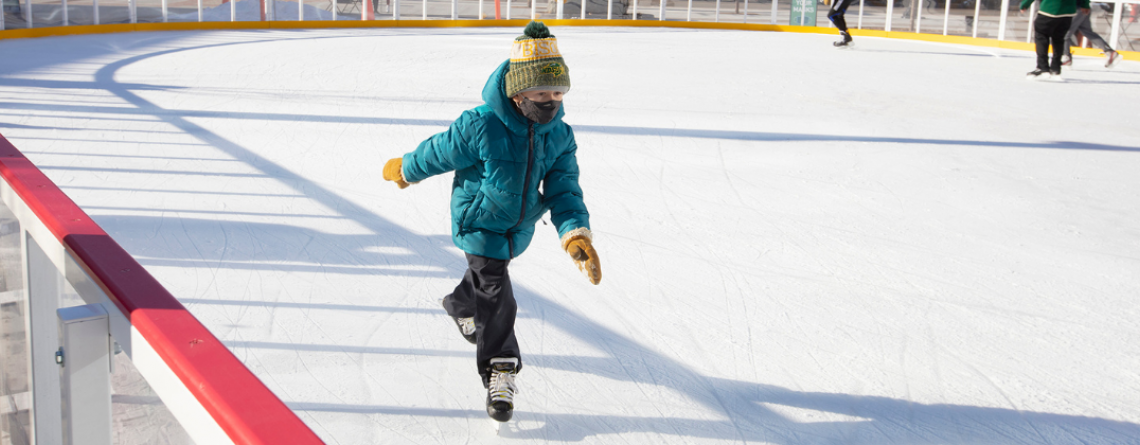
{"x": 1082, "y": 23}
{"x": 1053, "y": 20}
{"x": 838, "y": 9}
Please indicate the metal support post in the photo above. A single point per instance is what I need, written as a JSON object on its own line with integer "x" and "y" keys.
{"x": 28, "y": 14}
{"x": 423, "y": 15}
{"x": 890, "y": 13}
{"x": 663, "y": 2}
{"x": 165, "y": 12}
{"x": 133, "y": 10}
{"x": 635, "y": 9}
{"x": 455, "y": 9}
{"x": 1029, "y": 30}
{"x": 43, "y": 329}
{"x": 1001, "y": 21}
{"x": 774, "y": 10}
{"x": 558, "y": 8}
{"x": 716, "y": 15}
{"x": 946, "y": 20}
{"x": 977, "y": 17}
{"x": 1114, "y": 35}
{"x": 610, "y": 9}
{"x": 200, "y": 16}
{"x": 85, "y": 375}
{"x": 508, "y": 9}
{"x": 859, "y": 25}
{"x": 745, "y": 11}
{"x": 917, "y": 14}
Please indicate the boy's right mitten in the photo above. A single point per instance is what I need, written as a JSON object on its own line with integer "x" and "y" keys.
{"x": 394, "y": 171}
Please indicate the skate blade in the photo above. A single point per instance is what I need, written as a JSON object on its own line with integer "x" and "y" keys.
{"x": 498, "y": 427}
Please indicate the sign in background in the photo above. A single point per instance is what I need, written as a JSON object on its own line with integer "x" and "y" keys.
{"x": 803, "y": 12}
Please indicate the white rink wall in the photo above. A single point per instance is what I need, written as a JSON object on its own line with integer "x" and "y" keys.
{"x": 902, "y": 243}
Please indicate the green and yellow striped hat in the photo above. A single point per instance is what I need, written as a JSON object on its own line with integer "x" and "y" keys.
{"x": 536, "y": 63}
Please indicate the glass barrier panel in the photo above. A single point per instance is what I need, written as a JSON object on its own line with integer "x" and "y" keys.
{"x": 960, "y": 19}
{"x": 149, "y": 11}
{"x": 15, "y": 394}
{"x": 221, "y": 11}
{"x": 15, "y": 14}
{"x": 873, "y": 15}
{"x": 187, "y": 10}
{"x": 314, "y": 10}
{"x": 986, "y": 17}
{"x": 1129, "y": 39}
{"x": 138, "y": 416}
{"x": 47, "y": 13}
{"x": 114, "y": 11}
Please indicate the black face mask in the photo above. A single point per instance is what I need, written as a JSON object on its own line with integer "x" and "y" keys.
{"x": 539, "y": 112}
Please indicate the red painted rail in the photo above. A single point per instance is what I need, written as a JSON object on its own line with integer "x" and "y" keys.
{"x": 240, "y": 403}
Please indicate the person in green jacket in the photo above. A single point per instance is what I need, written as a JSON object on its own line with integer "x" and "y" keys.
{"x": 514, "y": 160}
{"x": 1053, "y": 20}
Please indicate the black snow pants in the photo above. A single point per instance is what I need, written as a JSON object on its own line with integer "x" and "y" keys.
{"x": 838, "y": 9}
{"x": 485, "y": 293}
{"x": 1050, "y": 30}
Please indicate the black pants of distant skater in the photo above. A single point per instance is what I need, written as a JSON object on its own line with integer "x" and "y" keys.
{"x": 485, "y": 293}
{"x": 1050, "y": 30}
{"x": 838, "y": 9}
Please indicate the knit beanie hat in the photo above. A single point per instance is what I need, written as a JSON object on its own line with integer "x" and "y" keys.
{"x": 536, "y": 63}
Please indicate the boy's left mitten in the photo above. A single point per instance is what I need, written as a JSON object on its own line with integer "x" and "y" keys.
{"x": 394, "y": 171}
{"x": 579, "y": 244}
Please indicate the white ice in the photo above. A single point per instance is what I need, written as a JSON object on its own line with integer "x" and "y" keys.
{"x": 902, "y": 243}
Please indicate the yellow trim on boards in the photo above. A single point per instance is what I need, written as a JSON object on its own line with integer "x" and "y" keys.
{"x": 325, "y": 24}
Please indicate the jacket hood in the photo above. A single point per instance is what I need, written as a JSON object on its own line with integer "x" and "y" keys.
{"x": 495, "y": 95}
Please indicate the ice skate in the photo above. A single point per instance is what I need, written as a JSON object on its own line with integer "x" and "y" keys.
{"x": 846, "y": 42}
{"x": 1037, "y": 74}
{"x": 1066, "y": 60}
{"x": 1113, "y": 58}
{"x": 501, "y": 388}
{"x": 466, "y": 327}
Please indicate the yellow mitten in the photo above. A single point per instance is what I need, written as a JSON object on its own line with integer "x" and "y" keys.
{"x": 578, "y": 243}
{"x": 394, "y": 171}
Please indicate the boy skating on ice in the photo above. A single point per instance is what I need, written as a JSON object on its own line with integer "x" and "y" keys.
{"x": 1053, "y": 21}
{"x": 514, "y": 159}
{"x": 836, "y": 15}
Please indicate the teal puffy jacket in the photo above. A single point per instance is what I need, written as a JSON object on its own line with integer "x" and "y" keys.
{"x": 508, "y": 172}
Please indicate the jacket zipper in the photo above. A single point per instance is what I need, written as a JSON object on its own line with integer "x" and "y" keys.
{"x": 526, "y": 186}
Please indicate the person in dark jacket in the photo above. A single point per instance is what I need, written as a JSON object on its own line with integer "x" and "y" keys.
{"x": 1053, "y": 21}
{"x": 837, "y": 16}
{"x": 1083, "y": 24}
{"x": 514, "y": 160}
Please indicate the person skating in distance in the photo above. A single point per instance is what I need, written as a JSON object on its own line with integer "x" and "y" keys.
{"x": 1052, "y": 22}
{"x": 1082, "y": 23}
{"x": 514, "y": 159}
{"x": 836, "y": 15}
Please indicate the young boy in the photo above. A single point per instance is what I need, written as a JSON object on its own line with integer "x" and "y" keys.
{"x": 502, "y": 153}
{"x": 1053, "y": 20}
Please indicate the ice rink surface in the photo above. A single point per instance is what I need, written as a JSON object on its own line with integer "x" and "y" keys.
{"x": 903, "y": 243}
